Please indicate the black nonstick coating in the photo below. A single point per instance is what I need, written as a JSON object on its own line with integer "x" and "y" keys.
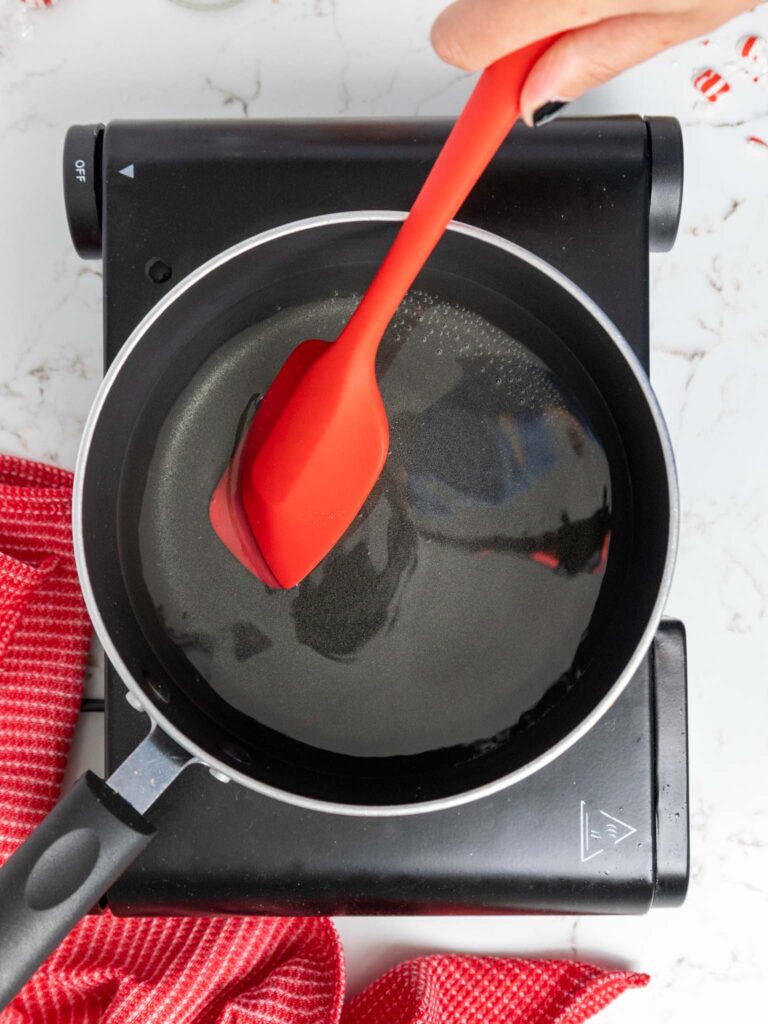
{"x": 424, "y": 628}
{"x": 467, "y": 622}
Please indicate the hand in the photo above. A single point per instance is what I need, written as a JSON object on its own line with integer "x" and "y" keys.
{"x": 602, "y": 38}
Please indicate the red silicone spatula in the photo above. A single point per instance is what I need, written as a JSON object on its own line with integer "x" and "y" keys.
{"x": 320, "y": 437}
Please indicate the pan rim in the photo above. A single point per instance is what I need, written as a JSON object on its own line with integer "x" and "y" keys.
{"x": 225, "y": 772}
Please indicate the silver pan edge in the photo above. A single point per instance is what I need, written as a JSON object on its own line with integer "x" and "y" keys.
{"x": 224, "y": 772}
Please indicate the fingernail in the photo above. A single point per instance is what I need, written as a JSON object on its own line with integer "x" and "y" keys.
{"x": 548, "y": 112}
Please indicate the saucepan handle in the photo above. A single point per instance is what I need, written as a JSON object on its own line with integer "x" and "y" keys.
{"x": 56, "y": 876}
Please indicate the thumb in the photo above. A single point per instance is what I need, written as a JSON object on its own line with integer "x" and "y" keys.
{"x": 588, "y": 56}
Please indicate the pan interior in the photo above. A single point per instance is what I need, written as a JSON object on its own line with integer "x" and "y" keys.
{"x": 468, "y": 593}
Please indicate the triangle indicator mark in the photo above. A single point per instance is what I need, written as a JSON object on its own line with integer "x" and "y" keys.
{"x": 128, "y": 171}
{"x": 600, "y": 832}
{"x": 616, "y": 829}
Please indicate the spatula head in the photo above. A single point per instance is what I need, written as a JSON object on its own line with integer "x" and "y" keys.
{"x": 315, "y": 449}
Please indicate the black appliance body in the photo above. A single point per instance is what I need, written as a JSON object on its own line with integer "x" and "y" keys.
{"x": 603, "y": 827}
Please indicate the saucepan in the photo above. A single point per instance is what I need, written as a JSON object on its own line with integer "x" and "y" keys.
{"x": 491, "y": 601}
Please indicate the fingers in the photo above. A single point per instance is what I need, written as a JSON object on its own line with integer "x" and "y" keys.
{"x": 593, "y": 54}
{"x": 602, "y": 38}
{"x": 473, "y": 33}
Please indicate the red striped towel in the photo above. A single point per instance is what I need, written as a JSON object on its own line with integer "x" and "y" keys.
{"x": 233, "y": 970}
{"x": 44, "y": 638}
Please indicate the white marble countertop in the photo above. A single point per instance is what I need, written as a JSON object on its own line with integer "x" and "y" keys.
{"x": 88, "y": 60}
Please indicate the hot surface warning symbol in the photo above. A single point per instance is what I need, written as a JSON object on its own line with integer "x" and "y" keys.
{"x": 600, "y": 831}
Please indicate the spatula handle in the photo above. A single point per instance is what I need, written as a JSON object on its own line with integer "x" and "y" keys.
{"x": 482, "y": 126}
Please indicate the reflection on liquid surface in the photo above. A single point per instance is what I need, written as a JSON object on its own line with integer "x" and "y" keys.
{"x": 463, "y": 590}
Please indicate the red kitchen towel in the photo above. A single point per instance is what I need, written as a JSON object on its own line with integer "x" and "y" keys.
{"x": 221, "y": 970}
{"x": 44, "y": 639}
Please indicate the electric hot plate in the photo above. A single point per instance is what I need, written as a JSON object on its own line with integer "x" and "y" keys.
{"x": 603, "y": 827}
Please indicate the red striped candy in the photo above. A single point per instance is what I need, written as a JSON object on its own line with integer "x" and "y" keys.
{"x": 753, "y": 50}
{"x": 750, "y": 47}
{"x": 711, "y": 84}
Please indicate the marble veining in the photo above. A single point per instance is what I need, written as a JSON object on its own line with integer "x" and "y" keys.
{"x": 85, "y": 60}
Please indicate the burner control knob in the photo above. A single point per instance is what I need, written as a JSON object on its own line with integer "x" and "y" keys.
{"x": 82, "y": 187}
{"x": 665, "y": 138}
